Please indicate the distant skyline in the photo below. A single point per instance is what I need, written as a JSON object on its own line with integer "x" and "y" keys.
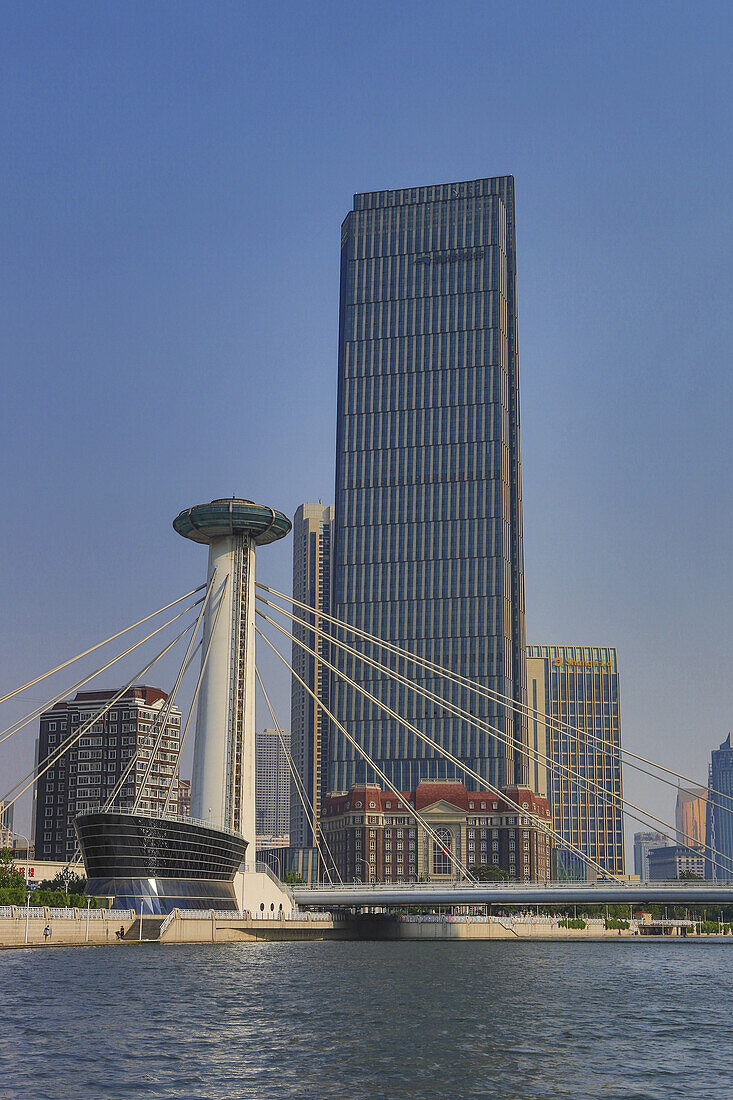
{"x": 175, "y": 180}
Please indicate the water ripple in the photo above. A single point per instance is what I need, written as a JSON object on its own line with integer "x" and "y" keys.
{"x": 368, "y": 1020}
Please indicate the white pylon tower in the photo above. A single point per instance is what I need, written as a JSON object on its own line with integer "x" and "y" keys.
{"x": 223, "y": 782}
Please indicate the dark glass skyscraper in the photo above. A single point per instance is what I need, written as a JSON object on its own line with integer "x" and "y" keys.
{"x": 719, "y": 862}
{"x": 428, "y": 530}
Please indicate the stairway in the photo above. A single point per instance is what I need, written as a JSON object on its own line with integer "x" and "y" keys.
{"x": 150, "y": 929}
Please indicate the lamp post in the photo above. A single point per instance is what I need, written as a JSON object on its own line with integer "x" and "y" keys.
{"x": 368, "y": 866}
{"x": 27, "y": 888}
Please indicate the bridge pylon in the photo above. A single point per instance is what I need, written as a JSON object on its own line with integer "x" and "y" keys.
{"x": 223, "y": 782}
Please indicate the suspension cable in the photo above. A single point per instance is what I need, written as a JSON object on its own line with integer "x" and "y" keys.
{"x": 362, "y": 751}
{"x": 99, "y": 645}
{"x": 297, "y": 780}
{"x": 35, "y": 774}
{"x": 164, "y": 714}
{"x": 610, "y": 797}
{"x": 444, "y": 752}
{"x": 199, "y": 682}
{"x": 490, "y": 693}
{"x": 109, "y": 802}
{"x": 22, "y": 722}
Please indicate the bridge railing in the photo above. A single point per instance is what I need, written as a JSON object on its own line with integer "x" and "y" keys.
{"x": 519, "y": 887}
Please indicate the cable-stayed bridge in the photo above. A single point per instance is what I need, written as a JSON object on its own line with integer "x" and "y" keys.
{"x": 223, "y": 619}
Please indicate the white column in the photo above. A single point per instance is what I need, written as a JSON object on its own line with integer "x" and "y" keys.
{"x": 223, "y": 782}
{"x": 208, "y": 783}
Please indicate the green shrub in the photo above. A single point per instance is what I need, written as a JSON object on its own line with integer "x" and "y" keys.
{"x": 12, "y": 895}
{"x": 572, "y": 922}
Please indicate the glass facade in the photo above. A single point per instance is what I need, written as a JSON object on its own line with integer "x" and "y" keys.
{"x": 581, "y": 691}
{"x": 719, "y": 827}
{"x": 428, "y": 523}
{"x": 155, "y": 864}
{"x": 312, "y": 528}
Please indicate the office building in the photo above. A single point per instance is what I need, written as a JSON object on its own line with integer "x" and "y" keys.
{"x": 719, "y": 825}
{"x": 583, "y": 736}
{"x": 537, "y": 698}
{"x": 85, "y": 775}
{"x": 643, "y": 844}
{"x": 689, "y": 817}
{"x": 374, "y": 837}
{"x": 428, "y": 512}
{"x": 312, "y": 531}
{"x": 675, "y": 861}
{"x": 272, "y": 786}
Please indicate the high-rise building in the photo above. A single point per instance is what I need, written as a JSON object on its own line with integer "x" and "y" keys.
{"x": 312, "y": 528}
{"x": 536, "y": 726}
{"x": 583, "y": 726}
{"x": 719, "y": 829}
{"x": 272, "y": 785}
{"x": 643, "y": 844}
{"x": 428, "y": 514}
{"x": 84, "y": 776}
{"x": 689, "y": 817}
{"x": 675, "y": 861}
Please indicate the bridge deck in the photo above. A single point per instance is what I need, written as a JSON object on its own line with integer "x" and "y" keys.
{"x": 356, "y": 894}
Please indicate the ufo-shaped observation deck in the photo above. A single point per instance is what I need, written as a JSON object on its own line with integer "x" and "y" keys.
{"x": 231, "y": 516}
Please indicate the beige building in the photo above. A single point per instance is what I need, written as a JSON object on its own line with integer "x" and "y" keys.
{"x": 689, "y": 817}
{"x": 583, "y": 742}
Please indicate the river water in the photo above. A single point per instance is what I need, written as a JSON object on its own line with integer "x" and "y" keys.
{"x": 368, "y": 1020}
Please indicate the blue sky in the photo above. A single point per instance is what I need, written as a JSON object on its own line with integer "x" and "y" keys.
{"x": 174, "y": 179}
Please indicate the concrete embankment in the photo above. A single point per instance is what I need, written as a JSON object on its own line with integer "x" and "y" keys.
{"x": 73, "y": 927}
{"x": 426, "y": 927}
{"x": 69, "y": 927}
{"x": 208, "y": 929}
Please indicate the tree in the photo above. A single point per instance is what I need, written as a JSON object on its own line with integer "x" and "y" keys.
{"x": 292, "y": 878}
{"x": 10, "y": 877}
{"x": 488, "y": 872}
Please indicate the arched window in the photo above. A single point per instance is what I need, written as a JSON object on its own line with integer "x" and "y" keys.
{"x": 442, "y": 845}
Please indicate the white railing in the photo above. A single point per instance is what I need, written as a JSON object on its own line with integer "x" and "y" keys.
{"x": 32, "y": 911}
{"x": 228, "y": 914}
{"x": 171, "y": 916}
{"x": 520, "y": 887}
{"x": 65, "y": 913}
{"x": 265, "y": 869}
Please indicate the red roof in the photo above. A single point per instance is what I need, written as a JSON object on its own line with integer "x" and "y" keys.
{"x": 428, "y": 793}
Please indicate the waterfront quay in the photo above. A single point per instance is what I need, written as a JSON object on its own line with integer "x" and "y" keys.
{"x": 48, "y": 927}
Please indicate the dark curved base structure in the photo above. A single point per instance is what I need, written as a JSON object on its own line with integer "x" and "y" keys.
{"x": 156, "y": 864}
